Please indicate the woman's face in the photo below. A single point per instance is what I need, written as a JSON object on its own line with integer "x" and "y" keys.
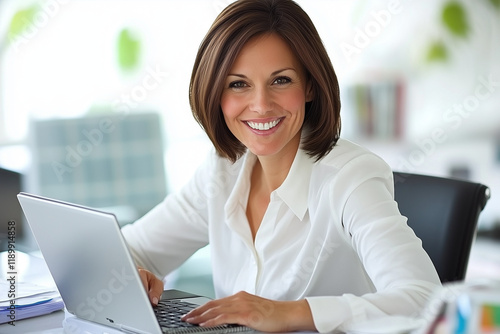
{"x": 264, "y": 97}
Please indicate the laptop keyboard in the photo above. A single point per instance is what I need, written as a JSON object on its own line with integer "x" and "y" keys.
{"x": 169, "y": 313}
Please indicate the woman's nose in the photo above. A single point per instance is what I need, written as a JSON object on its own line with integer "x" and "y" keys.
{"x": 261, "y": 101}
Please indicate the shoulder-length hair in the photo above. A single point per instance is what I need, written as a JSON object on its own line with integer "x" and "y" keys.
{"x": 236, "y": 25}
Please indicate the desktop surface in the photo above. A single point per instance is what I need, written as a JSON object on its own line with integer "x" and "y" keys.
{"x": 46, "y": 324}
{"x": 35, "y": 271}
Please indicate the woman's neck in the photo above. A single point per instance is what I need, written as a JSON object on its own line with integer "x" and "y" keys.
{"x": 273, "y": 170}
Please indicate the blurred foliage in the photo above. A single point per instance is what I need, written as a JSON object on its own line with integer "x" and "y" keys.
{"x": 437, "y": 52}
{"x": 495, "y": 3}
{"x": 454, "y": 19}
{"x": 21, "y": 20}
{"x": 129, "y": 50}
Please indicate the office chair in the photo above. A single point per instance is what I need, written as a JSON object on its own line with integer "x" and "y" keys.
{"x": 10, "y": 210}
{"x": 108, "y": 161}
{"x": 443, "y": 212}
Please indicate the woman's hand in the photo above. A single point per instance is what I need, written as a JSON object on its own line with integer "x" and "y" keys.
{"x": 152, "y": 284}
{"x": 254, "y": 312}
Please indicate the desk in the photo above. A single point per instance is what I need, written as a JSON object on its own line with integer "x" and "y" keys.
{"x": 59, "y": 322}
{"x": 51, "y": 323}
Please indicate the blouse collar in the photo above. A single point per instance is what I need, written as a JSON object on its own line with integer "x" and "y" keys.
{"x": 295, "y": 189}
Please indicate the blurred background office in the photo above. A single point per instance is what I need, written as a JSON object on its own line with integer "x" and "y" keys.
{"x": 420, "y": 83}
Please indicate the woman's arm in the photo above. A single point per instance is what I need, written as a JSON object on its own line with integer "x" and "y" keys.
{"x": 392, "y": 256}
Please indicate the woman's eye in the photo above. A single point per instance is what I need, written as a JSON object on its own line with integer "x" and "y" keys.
{"x": 282, "y": 81}
{"x": 237, "y": 84}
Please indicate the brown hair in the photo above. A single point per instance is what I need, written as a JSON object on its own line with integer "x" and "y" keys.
{"x": 234, "y": 26}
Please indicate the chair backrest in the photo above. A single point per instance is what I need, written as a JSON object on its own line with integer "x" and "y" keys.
{"x": 107, "y": 161}
{"x": 443, "y": 212}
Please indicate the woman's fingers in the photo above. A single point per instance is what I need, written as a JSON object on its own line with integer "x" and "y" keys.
{"x": 252, "y": 311}
{"x": 152, "y": 284}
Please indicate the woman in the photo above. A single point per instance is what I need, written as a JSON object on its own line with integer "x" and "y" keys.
{"x": 304, "y": 231}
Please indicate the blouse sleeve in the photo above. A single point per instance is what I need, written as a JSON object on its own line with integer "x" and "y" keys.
{"x": 400, "y": 270}
{"x": 172, "y": 231}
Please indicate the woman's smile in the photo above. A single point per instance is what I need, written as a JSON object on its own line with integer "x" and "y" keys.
{"x": 264, "y": 127}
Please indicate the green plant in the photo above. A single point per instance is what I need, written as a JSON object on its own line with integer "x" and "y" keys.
{"x": 128, "y": 50}
{"x": 454, "y": 18}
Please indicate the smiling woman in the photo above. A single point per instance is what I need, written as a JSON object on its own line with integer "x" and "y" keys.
{"x": 303, "y": 228}
{"x": 306, "y": 57}
{"x": 263, "y": 104}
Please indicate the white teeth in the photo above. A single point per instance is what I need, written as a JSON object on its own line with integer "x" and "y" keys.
{"x": 263, "y": 126}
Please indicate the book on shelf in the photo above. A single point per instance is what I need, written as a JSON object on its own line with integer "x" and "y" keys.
{"x": 378, "y": 107}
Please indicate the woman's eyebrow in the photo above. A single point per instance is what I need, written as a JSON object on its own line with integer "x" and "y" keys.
{"x": 282, "y": 70}
{"x": 272, "y": 74}
{"x": 237, "y": 75}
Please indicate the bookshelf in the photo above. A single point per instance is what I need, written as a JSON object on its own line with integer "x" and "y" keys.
{"x": 377, "y": 108}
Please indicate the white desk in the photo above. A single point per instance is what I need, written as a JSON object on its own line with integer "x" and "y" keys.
{"x": 55, "y": 323}
{"x": 59, "y": 322}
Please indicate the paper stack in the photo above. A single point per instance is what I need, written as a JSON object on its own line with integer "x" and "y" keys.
{"x": 27, "y": 300}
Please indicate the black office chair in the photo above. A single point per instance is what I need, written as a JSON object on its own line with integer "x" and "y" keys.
{"x": 443, "y": 213}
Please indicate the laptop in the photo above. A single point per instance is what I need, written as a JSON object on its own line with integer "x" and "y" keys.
{"x": 94, "y": 272}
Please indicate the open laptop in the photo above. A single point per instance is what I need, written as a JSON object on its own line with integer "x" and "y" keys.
{"x": 94, "y": 272}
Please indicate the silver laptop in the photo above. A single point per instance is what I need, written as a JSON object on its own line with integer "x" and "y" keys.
{"x": 95, "y": 274}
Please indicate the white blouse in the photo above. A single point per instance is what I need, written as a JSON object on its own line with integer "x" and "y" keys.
{"x": 332, "y": 234}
